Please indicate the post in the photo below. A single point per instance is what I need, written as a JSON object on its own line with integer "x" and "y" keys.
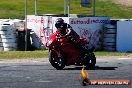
{"x": 35, "y": 5}
{"x": 68, "y": 8}
{"x": 64, "y": 7}
{"x": 25, "y": 27}
{"x": 94, "y": 8}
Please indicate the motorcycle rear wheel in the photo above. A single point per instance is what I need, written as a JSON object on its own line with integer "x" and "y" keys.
{"x": 56, "y": 62}
{"x": 91, "y": 60}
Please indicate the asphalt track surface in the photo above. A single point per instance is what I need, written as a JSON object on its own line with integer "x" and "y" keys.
{"x": 43, "y": 75}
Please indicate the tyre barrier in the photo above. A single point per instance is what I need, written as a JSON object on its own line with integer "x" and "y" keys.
{"x": 7, "y": 32}
{"x": 110, "y": 31}
{"x": 107, "y": 40}
{"x": 10, "y": 49}
{"x": 1, "y": 48}
{"x": 109, "y": 37}
{"x": 1, "y": 44}
{"x": 8, "y": 40}
{"x": 13, "y": 36}
{"x": 109, "y": 48}
{"x": 7, "y": 49}
{"x": 109, "y": 44}
{"x": 10, "y": 44}
{"x": 7, "y": 28}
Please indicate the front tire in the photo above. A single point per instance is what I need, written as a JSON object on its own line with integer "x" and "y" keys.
{"x": 56, "y": 62}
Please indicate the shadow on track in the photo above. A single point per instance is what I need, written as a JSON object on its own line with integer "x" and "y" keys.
{"x": 86, "y": 68}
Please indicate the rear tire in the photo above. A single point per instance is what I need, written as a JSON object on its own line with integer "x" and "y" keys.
{"x": 56, "y": 62}
{"x": 91, "y": 60}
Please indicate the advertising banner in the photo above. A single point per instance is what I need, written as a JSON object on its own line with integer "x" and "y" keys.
{"x": 87, "y": 27}
{"x": 42, "y": 28}
{"x": 90, "y": 28}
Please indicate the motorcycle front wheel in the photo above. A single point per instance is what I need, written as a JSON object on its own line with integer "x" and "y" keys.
{"x": 56, "y": 62}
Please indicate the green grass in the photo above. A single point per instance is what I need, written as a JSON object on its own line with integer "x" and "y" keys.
{"x": 105, "y": 53}
{"x": 44, "y": 54}
{"x": 23, "y": 54}
{"x": 15, "y": 8}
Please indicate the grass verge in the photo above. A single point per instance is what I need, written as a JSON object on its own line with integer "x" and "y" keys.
{"x": 15, "y": 8}
{"x": 23, "y": 54}
{"x": 44, "y": 54}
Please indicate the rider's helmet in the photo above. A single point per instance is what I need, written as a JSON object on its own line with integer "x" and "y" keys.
{"x": 59, "y": 23}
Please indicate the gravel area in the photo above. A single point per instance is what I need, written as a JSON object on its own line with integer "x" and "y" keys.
{"x": 123, "y": 2}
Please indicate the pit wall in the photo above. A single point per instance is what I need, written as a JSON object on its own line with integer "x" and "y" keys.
{"x": 90, "y": 28}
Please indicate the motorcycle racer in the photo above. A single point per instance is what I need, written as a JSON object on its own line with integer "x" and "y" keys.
{"x": 66, "y": 30}
{"x": 67, "y": 48}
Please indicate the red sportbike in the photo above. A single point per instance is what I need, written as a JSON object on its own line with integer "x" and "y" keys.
{"x": 63, "y": 53}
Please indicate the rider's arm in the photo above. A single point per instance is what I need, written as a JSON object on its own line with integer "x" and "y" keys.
{"x": 68, "y": 31}
{"x": 74, "y": 37}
